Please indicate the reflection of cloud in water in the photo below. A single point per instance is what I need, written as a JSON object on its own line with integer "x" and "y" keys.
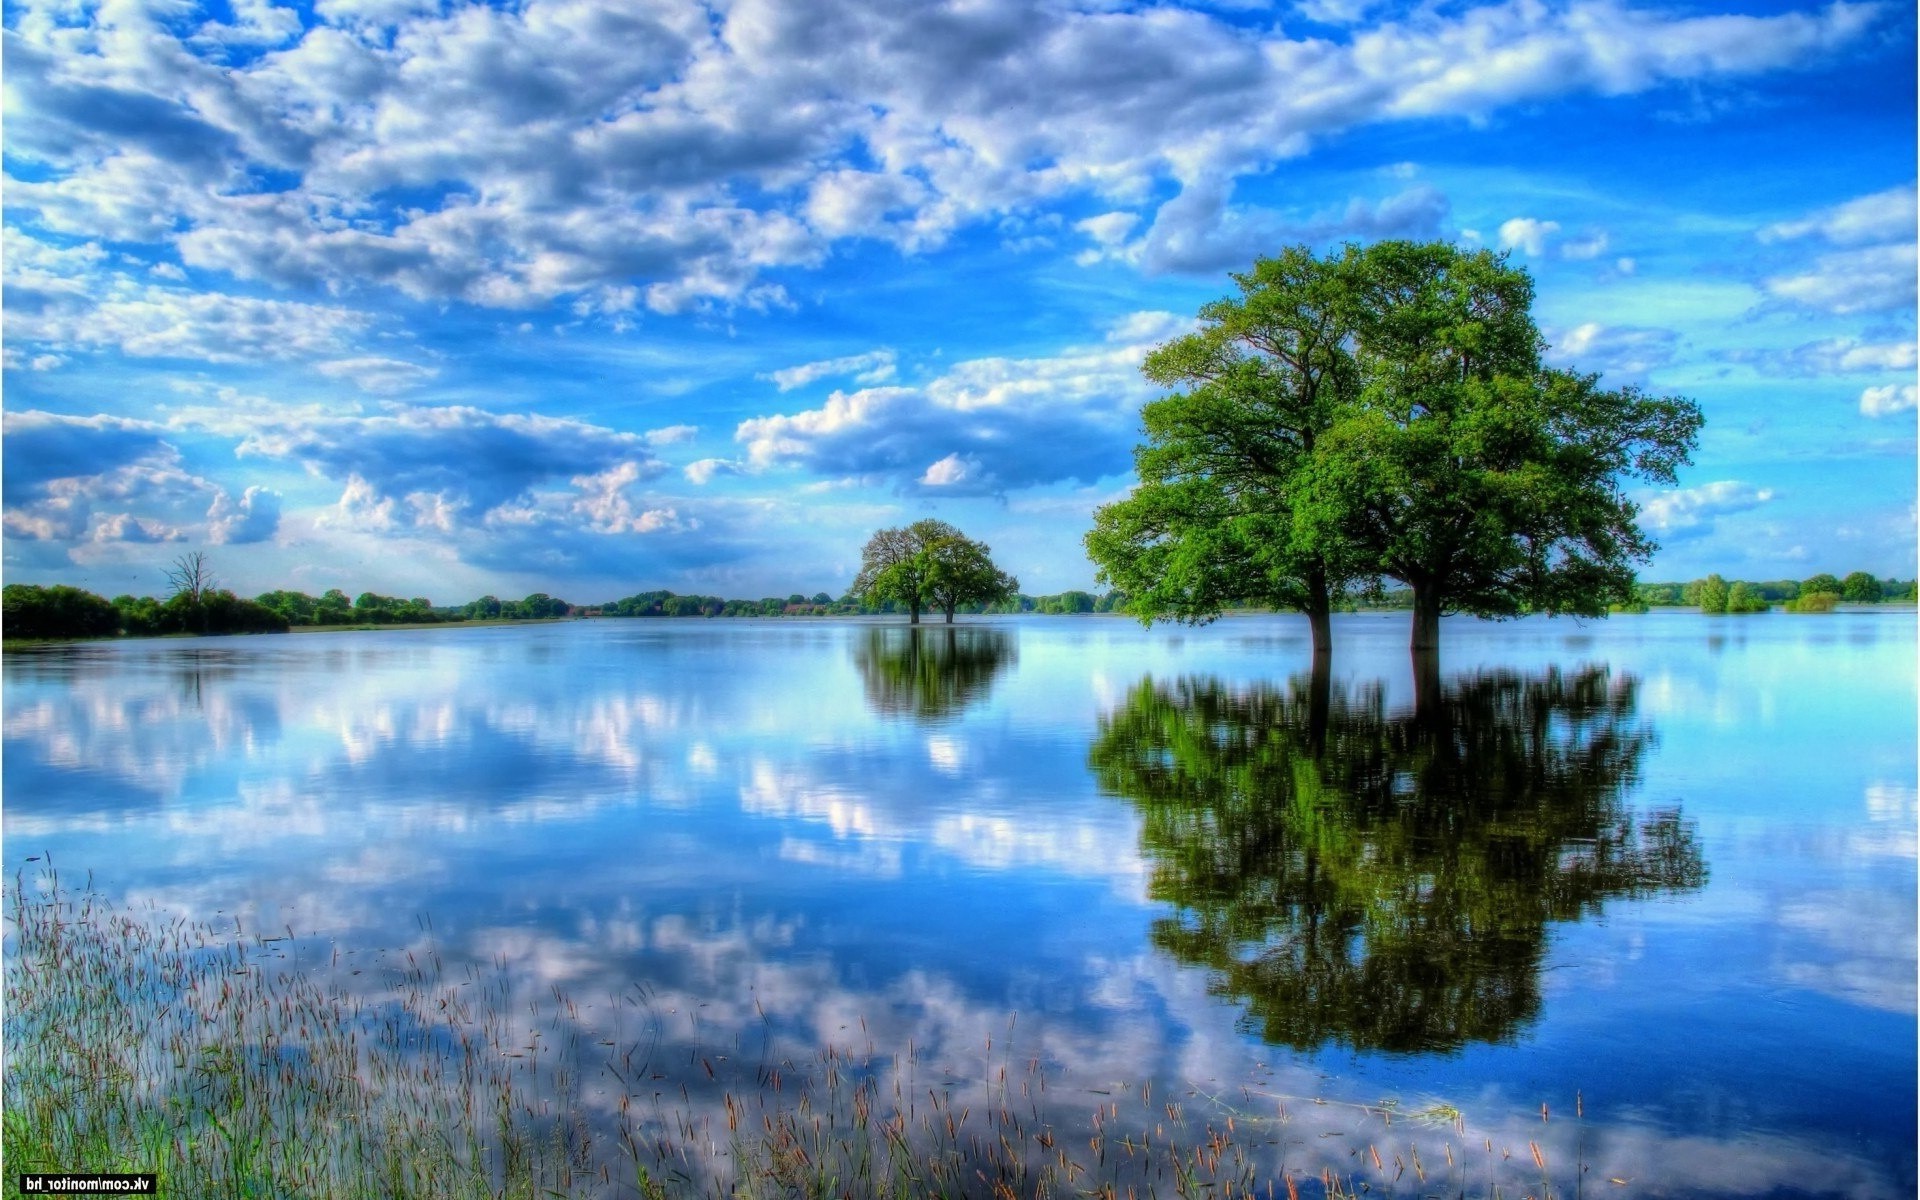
{"x": 1865, "y": 941}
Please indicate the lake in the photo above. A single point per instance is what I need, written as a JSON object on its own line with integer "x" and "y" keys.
{"x": 1655, "y": 874}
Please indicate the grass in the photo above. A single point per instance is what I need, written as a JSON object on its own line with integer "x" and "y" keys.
{"x": 136, "y": 1042}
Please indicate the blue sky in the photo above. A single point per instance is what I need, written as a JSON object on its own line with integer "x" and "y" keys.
{"x": 593, "y": 297}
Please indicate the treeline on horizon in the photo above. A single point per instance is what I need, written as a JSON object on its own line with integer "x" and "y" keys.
{"x": 60, "y": 611}
{"x": 33, "y": 611}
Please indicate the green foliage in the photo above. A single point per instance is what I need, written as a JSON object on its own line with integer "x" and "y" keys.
{"x": 1813, "y": 602}
{"x": 929, "y": 564}
{"x": 1384, "y": 412}
{"x": 1224, "y": 513}
{"x": 1742, "y": 598}
{"x": 1822, "y": 582}
{"x": 1486, "y": 483}
{"x": 1710, "y": 594}
{"x": 1860, "y": 588}
{"x": 31, "y": 611}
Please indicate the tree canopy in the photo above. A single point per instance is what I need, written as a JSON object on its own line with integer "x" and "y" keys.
{"x": 930, "y": 564}
{"x": 1384, "y": 412}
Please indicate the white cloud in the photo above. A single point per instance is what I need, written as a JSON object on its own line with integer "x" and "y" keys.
{"x": 253, "y": 518}
{"x": 1691, "y": 512}
{"x": 1613, "y": 350}
{"x": 1882, "y": 216}
{"x": 671, "y": 154}
{"x": 702, "y": 471}
{"x": 875, "y": 366}
{"x": 1888, "y": 400}
{"x": 379, "y": 375}
{"x": 1873, "y": 279}
{"x": 1831, "y": 356}
{"x": 986, "y": 426}
{"x": 671, "y": 434}
{"x": 1528, "y": 234}
{"x": 949, "y": 471}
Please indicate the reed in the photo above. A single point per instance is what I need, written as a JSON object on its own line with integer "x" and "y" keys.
{"x": 218, "y": 1059}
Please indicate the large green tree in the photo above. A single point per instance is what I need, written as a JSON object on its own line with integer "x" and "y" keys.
{"x": 961, "y": 571}
{"x": 1216, "y": 518}
{"x": 1384, "y": 413}
{"x": 929, "y": 564}
{"x": 1861, "y": 588}
{"x": 1485, "y": 482}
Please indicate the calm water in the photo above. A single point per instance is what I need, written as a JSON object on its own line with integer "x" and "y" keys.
{"x": 1667, "y": 862}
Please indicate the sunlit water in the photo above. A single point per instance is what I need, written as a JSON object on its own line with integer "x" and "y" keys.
{"x": 1664, "y": 862}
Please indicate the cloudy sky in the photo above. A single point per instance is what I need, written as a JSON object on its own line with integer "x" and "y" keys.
{"x": 598, "y": 296}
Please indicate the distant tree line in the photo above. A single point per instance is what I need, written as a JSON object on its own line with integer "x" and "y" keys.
{"x": 1816, "y": 593}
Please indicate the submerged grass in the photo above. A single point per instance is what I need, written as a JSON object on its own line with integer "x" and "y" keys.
{"x": 138, "y": 1042}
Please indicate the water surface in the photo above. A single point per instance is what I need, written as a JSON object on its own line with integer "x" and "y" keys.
{"x": 1664, "y": 862}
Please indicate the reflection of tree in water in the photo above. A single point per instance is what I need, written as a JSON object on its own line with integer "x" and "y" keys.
{"x": 930, "y": 672}
{"x": 1382, "y": 881}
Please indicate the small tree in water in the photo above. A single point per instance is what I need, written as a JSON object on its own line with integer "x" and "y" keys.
{"x": 929, "y": 564}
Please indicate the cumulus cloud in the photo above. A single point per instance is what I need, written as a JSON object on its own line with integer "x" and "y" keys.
{"x": 702, "y": 471}
{"x": 984, "y": 427}
{"x": 672, "y": 154}
{"x": 1201, "y": 231}
{"x": 1619, "y": 350}
{"x": 875, "y": 366}
{"x": 1528, "y": 234}
{"x": 1691, "y": 512}
{"x": 450, "y": 462}
{"x": 1887, "y": 400}
{"x": 255, "y": 517}
{"x": 80, "y": 479}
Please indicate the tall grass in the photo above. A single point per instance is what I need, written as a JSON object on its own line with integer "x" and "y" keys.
{"x": 216, "y": 1058}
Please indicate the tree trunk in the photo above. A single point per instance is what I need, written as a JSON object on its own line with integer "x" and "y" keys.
{"x": 1320, "y": 615}
{"x": 950, "y": 614}
{"x": 1425, "y": 646}
{"x": 1426, "y": 620}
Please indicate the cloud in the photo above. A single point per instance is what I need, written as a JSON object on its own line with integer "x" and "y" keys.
{"x": 452, "y": 463}
{"x": 70, "y": 299}
{"x": 1528, "y": 234}
{"x": 379, "y": 375}
{"x": 1869, "y": 278}
{"x": 1200, "y": 231}
{"x": 78, "y": 479}
{"x": 1882, "y": 216}
{"x": 1873, "y": 279}
{"x": 875, "y": 366}
{"x": 671, "y": 155}
{"x": 1688, "y": 513}
{"x": 670, "y": 434}
{"x": 702, "y": 471}
{"x": 253, "y": 518}
{"x": 1619, "y": 350}
{"x": 984, "y": 427}
{"x": 1591, "y": 245}
{"x": 1831, "y": 356}
{"x": 1887, "y": 400}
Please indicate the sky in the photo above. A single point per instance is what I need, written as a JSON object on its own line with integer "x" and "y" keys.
{"x": 593, "y": 297}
